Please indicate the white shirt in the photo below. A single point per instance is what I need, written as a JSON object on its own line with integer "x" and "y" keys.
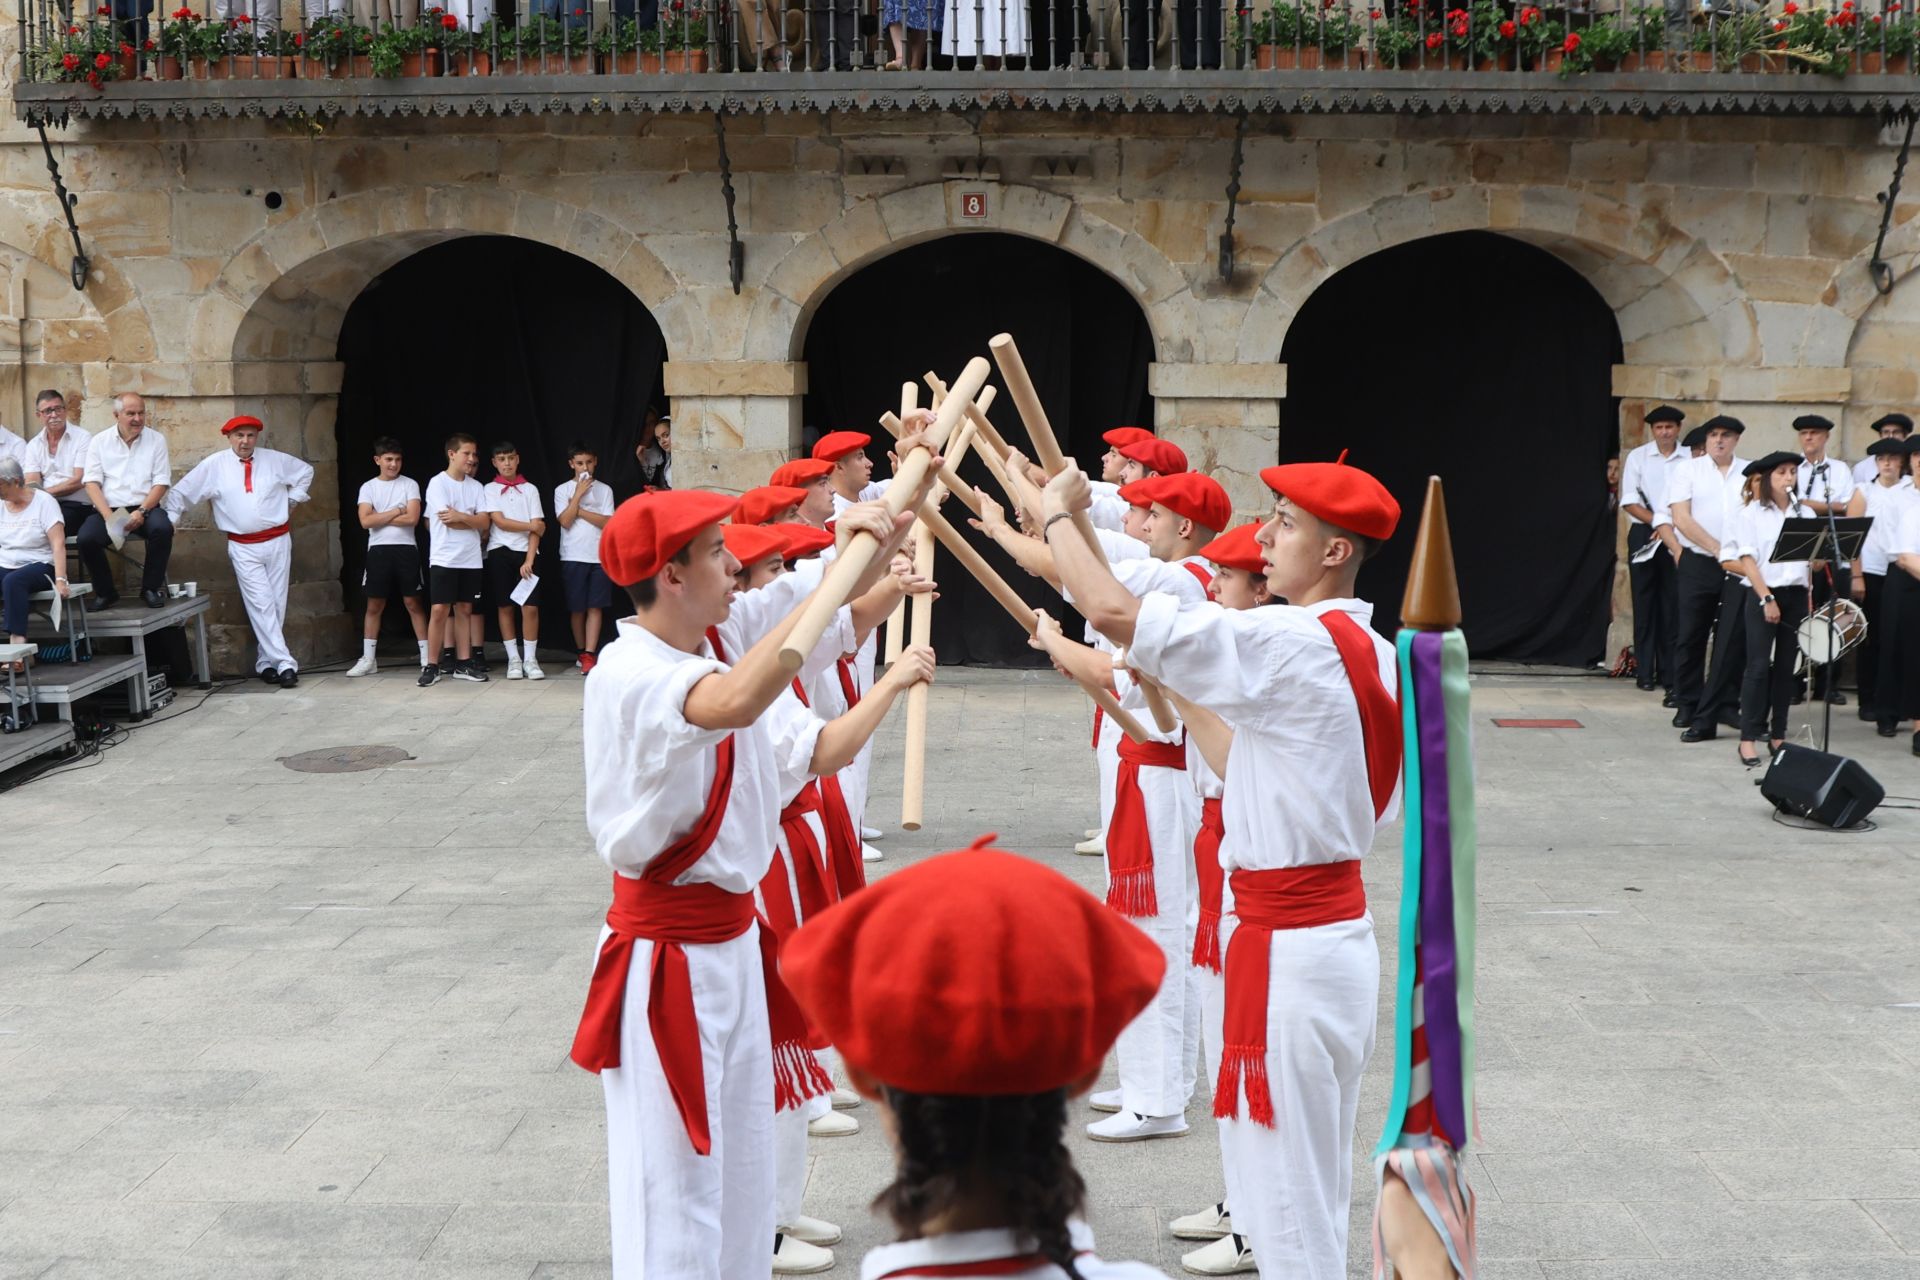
{"x": 991, "y": 1246}
{"x": 1714, "y": 496}
{"x": 582, "y": 541}
{"x": 1836, "y": 478}
{"x": 1296, "y": 790}
{"x": 447, "y": 546}
{"x": 23, "y": 533}
{"x": 648, "y": 770}
{"x": 1142, "y": 577}
{"x": 1754, "y": 531}
{"x": 1109, "y": 508}
{"x": 515, "y": 502}
{"x": 1884, "y": 507}
{"x": 1864, "y": 471}
{"x": 385, "y": 495}
{"x": 279, "y": 481}
{"x": 62, "y": 461}
{"x": 1645, "y": 478}
{"x": 127, "y": 473}
{"x": 12, "y": 446}
{"x": 1906, "y": 531}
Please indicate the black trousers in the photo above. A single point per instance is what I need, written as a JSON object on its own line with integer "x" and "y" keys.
{"x": 1199, "y": 33}
{"x": 1896, "y": 692}
{"x": 1697, "y": 581}
{"x": 833, "y": 29}
{"x": 1827, "y": 678}
{"x": 1654, "y": 603}
{"x": 1766, "y": 687}
{"x": 156, "y": 531}
{"x": 1868, "y": 668}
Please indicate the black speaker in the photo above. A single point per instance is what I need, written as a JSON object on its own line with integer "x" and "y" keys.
{"x": 1831, "y": 790}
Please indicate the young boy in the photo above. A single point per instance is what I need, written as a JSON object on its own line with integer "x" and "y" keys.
{"x": 583, "y": 505}
{"x": 455, "y": 526}
{"x": 514, "y": 507}
{"x": 389, "y": 512}
{"x": 477, "y": 622}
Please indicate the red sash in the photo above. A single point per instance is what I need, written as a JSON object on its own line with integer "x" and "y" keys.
{"x": 1213, "y": 883}
{"x": 817, "y": 891}
{"x": 264, "y": 535}
{"x": 843, "y": 838}
{"x": 1129, "y": 846}
{"x": 1099, "y": 713}
{"x": 1199, "y": 571}
{"x": 848, "y": 687}
{"x": 1299, "y": 897}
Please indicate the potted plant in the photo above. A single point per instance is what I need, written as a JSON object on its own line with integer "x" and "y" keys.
{"x": 625, "y": 48}
{"x": 1338, "y": 35}
{"x": 683, "y": 39}
{"x": 1530, "y": 34}
{"x": 544, "y": 46}
{"x": 1396, "y": 42}
{"x": 1886, "y": 44}
{"x": 91, "y": 55}
{"x": 334, "y": 48}
{"x": 186, "y": 42}
{"x": 1736, "y": 43}
{"x": 1278, "y": 37}
{"x": 1646, "y": 27}
{"x": 1598, "y": 46}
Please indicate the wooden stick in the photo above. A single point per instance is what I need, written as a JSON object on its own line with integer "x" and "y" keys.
{"x": 1021, "y": 611}
{"x": 1163, "y": 717}
{"x": 990, "y": 436}
{"x": 852, "y": 563}
{"x": 897, "y": 620}
{"x": 1013, "y": 371}
{"x": 948, "y": 476}
{"x": 913, "y": 785}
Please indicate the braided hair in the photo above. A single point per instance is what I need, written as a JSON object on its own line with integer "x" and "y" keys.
{"x": 1005, "y": 1150}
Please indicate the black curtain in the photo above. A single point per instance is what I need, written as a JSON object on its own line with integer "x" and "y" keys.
{"x": 1086, "y": 344}
{"x": 1487, "y": 362}
{"x": 503, "y": 339}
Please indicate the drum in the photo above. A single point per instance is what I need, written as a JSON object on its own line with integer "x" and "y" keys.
{"x": 1830, "y": 632}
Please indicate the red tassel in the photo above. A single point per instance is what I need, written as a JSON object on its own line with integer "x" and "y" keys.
{"x": 1243, "y": 1065}
{"x": 1131, "y": 893}
{"x": 1206, "y": 941}
{"x": 797, "y": 1076}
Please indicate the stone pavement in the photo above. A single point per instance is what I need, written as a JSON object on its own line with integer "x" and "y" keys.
{"x": 259, "y": 1023}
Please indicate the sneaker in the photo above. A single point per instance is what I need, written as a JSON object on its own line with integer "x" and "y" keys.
{"x": 587, "y": 661}
{"x": 871, "y": 833}
{"x": 365, "y": 667}
{"x": 514, "y": 671}
{"x": 793, "y": 1256}
{"x": 1091, "y": 832}
{"x": 469, "y": 671}
{"x": 1131, "y": 1126}
{"x": 480, "y": 664}
{"x": 1228, "y": 1256}
{"x": 870, "y": 854}
{"x": 429, "y": 674}
{"x": 1109, "y": 1100}
{"x": 1210, "y": 1223}
{"x": 446, "y": 659}
{"x": 811, "y": 1230}
{"x": 533, "y": 670}
{"x": 843, "y": 1100}
{"x": 834, "y": 1124}
{"x": 1094, "y": 846}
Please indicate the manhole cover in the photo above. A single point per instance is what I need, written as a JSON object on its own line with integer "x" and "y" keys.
{"x": 344, "y": 759}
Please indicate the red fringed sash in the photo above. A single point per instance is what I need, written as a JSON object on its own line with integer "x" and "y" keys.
{"x": 1129, "y": 845}
{"x": 843, "y": 838}
{"x": 1213, "y": 883}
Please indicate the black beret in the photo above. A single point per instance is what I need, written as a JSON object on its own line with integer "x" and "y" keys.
{"x": 1724, "y": 422}
{"x": 1880, "y": 448}
{"x": 1665, "y": 413}
{"x": 1899, "y": 420}
{"x": 1778, "y": 458}
{"x": 1696, "y": 438}
{"x": 1812, "y": 422}
{"x": 1913, "y": 444}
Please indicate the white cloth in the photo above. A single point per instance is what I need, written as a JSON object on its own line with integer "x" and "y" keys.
{"x": 1831, "y": 480}
{"x": 581, "y": 541}
{"x": 1108, "y": 509}
{"x": 1755, "y": 531}
{"x": 447, "y": 546}
{"x": 515, "y": 502}
{"x": 24, "y": 534}
{"x": 279, "y": 480}
{"x": 985, "y": 28}
{"x": 127, "y": 473}
{"x": 12, "y": 446}
{"x": 1713, "y": 496}
{"x": 1864, "y": 471}
{"x": 1884, "y": 506}
{"x": 264, "y": 570}
{"x": 384, "y": 495}
{"x": 1644, "y": 477}
{"x": 57, "y": 462}
{"x": 1906, "y": 531}
{"x": 958, "y": 1248}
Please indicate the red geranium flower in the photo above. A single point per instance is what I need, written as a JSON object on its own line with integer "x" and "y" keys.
{"x": 244, "y": 20}
{"x": 1789, "y": 8}
{"x": 71, "y": 61}
{"x": 104, "y": 11}
{"x": 1507, "y": 29}
{"x": 102, "y": 61}
{"x": 449, "y": 22}
{"x": 1433, "y": 41}
{"x": 1779, "y": 24}
{"x": 1571, "y": 43}
{"x": 147, "y": 45}
{"x": 93, "y": 78}
{"x": 1374, "y": 14}
{"x": 299, "y": 39}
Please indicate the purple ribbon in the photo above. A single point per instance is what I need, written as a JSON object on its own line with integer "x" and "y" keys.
{"x": 1438, "y": 955}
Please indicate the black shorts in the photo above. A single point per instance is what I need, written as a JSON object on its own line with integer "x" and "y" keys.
{"x": 392, "y": 570}
{"x": 503, "y": 576}
{"x": 588, "y": 586}
{"x": 453, "y": 586}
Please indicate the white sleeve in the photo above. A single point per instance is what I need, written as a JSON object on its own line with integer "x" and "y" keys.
{"x": 299, "y": 478}
{"x": 533, "y": 496}
{"x": 489, "y": 499}
{"x": 1108, "y": 510}
{"x": 162, "y": 466}
{"x": 754, "y": 613}
{"x": 92, "y": 472}
{"x": 436, "y": 500}
{"x": 50, "y": 513}
{"x": 836, "y": 641}
{"x": 1228, "y": 660}
{"x": 1633, "y": 482}
{"x": 795, "y": 732}
{"x": 1119, "y": 546}
{"x": 599, "y": 499}
{"x": 195, "y": 486}
{"x": 1680, "y": 488}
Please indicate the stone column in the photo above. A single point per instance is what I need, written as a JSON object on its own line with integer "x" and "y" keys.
{"x": 734, "y": 421}
{"x": 1227, "y": 418}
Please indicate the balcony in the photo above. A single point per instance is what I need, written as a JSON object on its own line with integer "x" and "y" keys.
{"x": 708, "y": 56}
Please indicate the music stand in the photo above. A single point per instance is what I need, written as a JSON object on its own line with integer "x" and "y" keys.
{"x": 1831, "y": 538}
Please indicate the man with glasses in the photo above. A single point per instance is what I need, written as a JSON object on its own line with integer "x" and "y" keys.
{"x": 57, "y": 458}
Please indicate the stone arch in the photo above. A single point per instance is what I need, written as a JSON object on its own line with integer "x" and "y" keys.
{"x": 872, "y": 229}
{"x": 74, "y": 338}
{"x": 1677, "y": 302}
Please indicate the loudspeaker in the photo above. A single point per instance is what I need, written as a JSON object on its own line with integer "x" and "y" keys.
{"x": 1828, "y": 789}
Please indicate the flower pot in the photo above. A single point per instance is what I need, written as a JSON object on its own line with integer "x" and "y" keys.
{"x": 635, "y": 63}
{"x": 477, "y": 63}
{"x": 1552, "y": 60}
{"x": 1698, "y": 60}
{"x": 215, "y": 69}
{"x": 1504, "y": 62}
{"x": 355, "y": 67}
{"x": 262, "y": 67}
{"x": 1751, "y": 62}
{"x": 1874, "y": 64}
{"x": 1284, "y": 57}
{"x": 1651, "y": 60}
{"x": 424, "y": 63}
{"x": 692, "y": 61}
{"x": 130, "y": 66}
{"x": 171, "y": 68}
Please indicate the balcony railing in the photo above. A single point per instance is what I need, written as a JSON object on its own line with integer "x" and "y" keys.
{"x": 251, "y": 56}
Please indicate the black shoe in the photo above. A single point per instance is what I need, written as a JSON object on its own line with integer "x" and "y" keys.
{"x": 479, "y": 663}
{"x": 1730, "y": 719}
{"x": 101, "y": 603}
{"x": 467, "y": 671}
{"x": 1888, "y": 728}
{"x": 269, "y": 677}
{"x": 1916, "y": 744}
{"x": 1646, "y": 686}
{"x": 446, "y": 659}
{"x": 1837, "y": 698}
{"x": 1751, "y": 761}
{"x": 1700, "y": 733}
{"x": 1867, "y": 713}
{"x": 429, "y": 674}
{"x": 1681, "y": 717}
{"x": 1800, "y": 698}
{"x": 1669, "y": 700}
{"x": 289, "y": 678}
{"x": 154, "y": 599}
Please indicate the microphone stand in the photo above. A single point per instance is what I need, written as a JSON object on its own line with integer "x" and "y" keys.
{"x": 1833, "y": 533}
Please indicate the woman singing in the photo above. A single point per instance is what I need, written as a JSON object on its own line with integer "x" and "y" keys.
{"x": 1777, "y": 605}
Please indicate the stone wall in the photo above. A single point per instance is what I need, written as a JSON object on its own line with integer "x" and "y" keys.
{"x": 1733, "y": 251}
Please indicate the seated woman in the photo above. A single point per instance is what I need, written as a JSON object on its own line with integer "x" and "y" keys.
{"x": 1778, "y": 604}
{"x": 969, "y": 997}
{"x": 33, "y": 548}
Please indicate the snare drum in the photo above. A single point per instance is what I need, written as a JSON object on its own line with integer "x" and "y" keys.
{"x": 1830, "y": 632}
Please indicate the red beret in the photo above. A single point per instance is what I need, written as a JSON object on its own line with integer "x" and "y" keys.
{"x": 752, "y": 543}
{"x": 1236, "y": 549}
{"x": 975, "y": 973}
{"x": 650, "y": 530}
{"x": 1187, "y": 494}
{"x": 1339, "y": 494}
{"x": 758, "y": 506}
{"x": 803, "y": 539}
{"x": 800, "y": 472}
{"x": 244, "y": 420}
{"x": 1120, "y": 436}
{"x": 1156, "y": 454}
{"x": 836, "y": 445}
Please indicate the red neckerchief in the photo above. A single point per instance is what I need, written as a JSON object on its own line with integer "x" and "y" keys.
{"x": 513, "y": 481}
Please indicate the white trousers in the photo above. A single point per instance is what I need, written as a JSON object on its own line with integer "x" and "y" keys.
{"x": 1291, "y": 1186}
{"x": 1158, "y": 1052}
{"x": 676, "y": 1213}
{"x": 264, "y": 570}
{"x": 1106, "y": 755}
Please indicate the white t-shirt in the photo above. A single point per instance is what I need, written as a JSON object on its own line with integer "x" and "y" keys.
{"x": 1884, "y": 507}
{"x": 55, "y": 465}
{"x": 1754, "y": 531}
{"x": 582, "y": 541}
{"x": 385, "y": 495}
{"x": 12, "y": 446}
{"x": 515, "y": 502}
{"x": 448, "y": 547}
{"x": 23, "y": 533}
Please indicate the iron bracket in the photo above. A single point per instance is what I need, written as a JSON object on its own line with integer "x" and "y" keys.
{"x": 1233, "y": 196}
{"x": 1876, "y": 265}
{"x": 81, "y": 262}
{"x": 736, "y": 252}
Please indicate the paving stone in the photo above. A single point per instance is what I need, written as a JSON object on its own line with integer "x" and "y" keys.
{"x": 322, "y": 1231}
{"x": 1829, "y": 1231}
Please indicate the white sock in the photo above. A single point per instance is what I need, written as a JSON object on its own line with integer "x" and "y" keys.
{"x": 367, "y": 647}
{"x": 513, "y": 650}
{"x": 528, "y": 649}
{"x": 425, "y": 661}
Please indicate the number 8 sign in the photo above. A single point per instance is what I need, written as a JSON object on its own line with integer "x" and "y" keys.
{"x": 973, "y": 204}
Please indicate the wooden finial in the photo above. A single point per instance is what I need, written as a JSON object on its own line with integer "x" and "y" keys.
{"x": 1432, "y": 602}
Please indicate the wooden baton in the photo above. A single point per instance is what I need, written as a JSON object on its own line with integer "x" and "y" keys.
{"x": 1013, "y": 371}
{"x": 897, "y": 620}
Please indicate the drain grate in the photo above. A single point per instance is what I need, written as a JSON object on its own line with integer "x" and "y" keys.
{"x": 344, "y": 759}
